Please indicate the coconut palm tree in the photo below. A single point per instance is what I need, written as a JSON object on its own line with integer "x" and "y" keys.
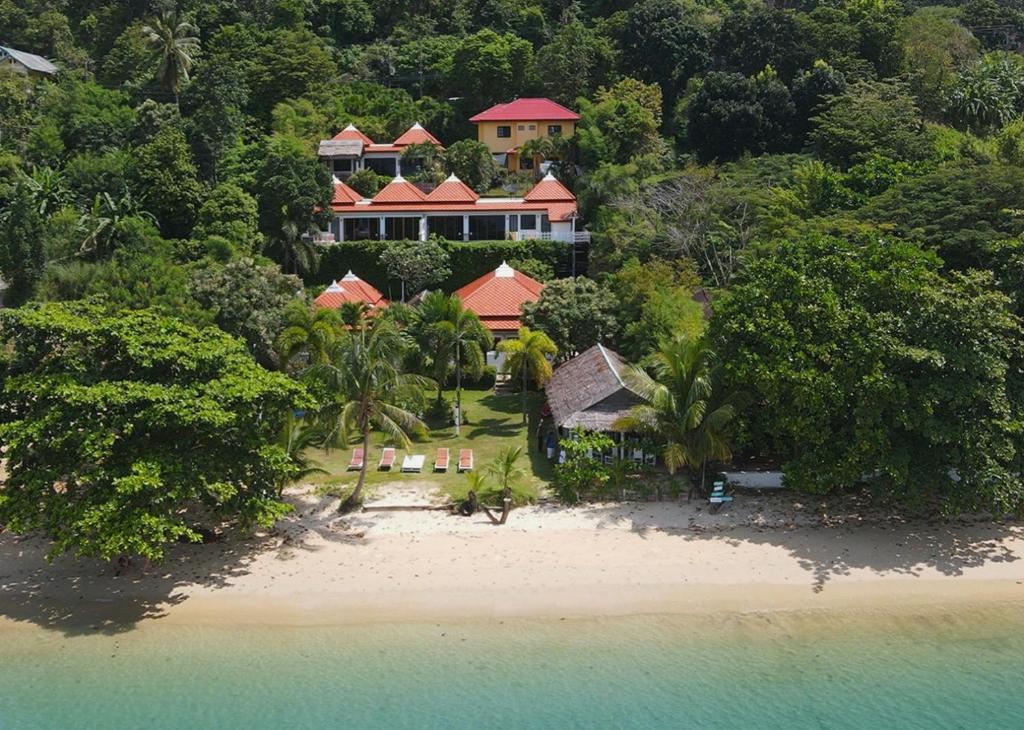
{"x": 364, "y": 389}
{"x": 309, "y": 333}
{"x": 537, "y": 149}
{"x": 527, "y": 357}
{"x": 449, "y": 333}
{"x": 297, "y": 438}
{"x": 175, "y": 44}
{"x": 504, "y": 467}
{"x": 296, "y": 251}
{"x": 353, "y": 314}
{"x": 679, "y": 406}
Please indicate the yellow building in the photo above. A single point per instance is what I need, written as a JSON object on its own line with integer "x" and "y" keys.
{"x": 505, "y": 127}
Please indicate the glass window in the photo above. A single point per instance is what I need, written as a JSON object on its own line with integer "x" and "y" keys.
{"x": 504, "y": 131}
{"x": 554, "y": 130}
{"x": 448, "y": 227}
{"x": 513, "y": 223}
{"x": 381, "y": 165}
{"x": 361, "y": 229}
{"x": 343, "y": 165}
{"x": 487, "y": 228}
{"x": 533, "y": 127}
{"x": 522, "y": 127}
{"x": 402, "y": 229}
{"x": 528, "y": 222}
{"x": 545, "y": 223}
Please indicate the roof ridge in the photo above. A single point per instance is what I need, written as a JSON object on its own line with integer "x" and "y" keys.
{"x": 608, "y": 361}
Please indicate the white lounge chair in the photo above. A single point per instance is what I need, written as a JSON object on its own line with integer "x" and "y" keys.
{"x": 413, "y": 462}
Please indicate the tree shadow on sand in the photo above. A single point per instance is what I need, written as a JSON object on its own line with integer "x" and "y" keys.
{"x": 84, "y": 596}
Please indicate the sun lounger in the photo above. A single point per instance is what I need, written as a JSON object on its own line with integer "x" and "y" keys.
{"x": 718, "y": 496}
{"x": 387, "y": 459}
{"x": 465, "y": 459}
{"x": 441, "y": 461}
{"x": 413, "y": 462}
{"x": 357, "y": 460}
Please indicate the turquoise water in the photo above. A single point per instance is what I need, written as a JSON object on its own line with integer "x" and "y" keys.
{"x": 779, "y": 671}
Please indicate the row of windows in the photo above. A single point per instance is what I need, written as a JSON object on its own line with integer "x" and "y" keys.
{"x": 481, "y": 227}
{"x": 505, "y": 131}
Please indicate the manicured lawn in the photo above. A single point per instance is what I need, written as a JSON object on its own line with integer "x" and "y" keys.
{"x": 495, "y": 423}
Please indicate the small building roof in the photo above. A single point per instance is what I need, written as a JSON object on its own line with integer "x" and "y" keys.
{"x": 399, "y": 190}
{"x": 352, "y": 133}
{"x": 350, "y": 289}
{"x": 528, "y": 109}
{"x": 590, "y": 391}
{"x": 344, "y": 195}
{"x": 452, "y": 190}
{"x": 416, "y": 135}
{"x": 549, "y": 190}
{"x": 498, "y": 297}
{"x": 30, "y": 61}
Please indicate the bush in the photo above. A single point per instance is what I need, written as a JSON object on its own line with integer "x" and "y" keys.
{"x": 488, "y": 493}
{"x": 485, "y": 382}
{"x": 367, "y": 182}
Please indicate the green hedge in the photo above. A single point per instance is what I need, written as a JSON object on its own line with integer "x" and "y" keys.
{"x": 469, "y": 260}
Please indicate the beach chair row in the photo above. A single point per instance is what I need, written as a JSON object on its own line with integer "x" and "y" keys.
{"x": 412, "y": 463}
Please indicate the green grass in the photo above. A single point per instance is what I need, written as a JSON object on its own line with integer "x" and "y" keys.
{"x": 495, "y": 422}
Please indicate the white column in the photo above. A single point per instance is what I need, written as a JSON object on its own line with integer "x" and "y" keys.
{"x": 424, "y": 228}
{"x": 398, "y": 166}
{"x": 380, "y": 230}
{"x": 465, "y": 228}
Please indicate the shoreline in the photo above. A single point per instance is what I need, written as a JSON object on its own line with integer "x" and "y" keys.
{"x": 320, "y": 569}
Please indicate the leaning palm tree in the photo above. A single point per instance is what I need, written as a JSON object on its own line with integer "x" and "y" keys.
{"x": 308, "y": 335}
{"x": 447, "y": 334}
{"x": 527, "y": 357}
{"x": 679, "y": 406}
{"x": 175, "y": 44}
{"x": 364, "y": 389}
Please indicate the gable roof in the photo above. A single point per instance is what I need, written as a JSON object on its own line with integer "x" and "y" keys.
{"x": 498, "y": 296}
{"x": 452, "y": 190}
{"x": 344, "y": 195}
{"x": 416, "y": 135}
{"x": 29, "y": 60}
{"x": 535, "y": 109}
{"x": 350, "y": 289}
{"x": 352, "y": 133}
{"x": 548, "y": 190}
{"x": 590, "y": 391}
{"x": 399, "y": 190}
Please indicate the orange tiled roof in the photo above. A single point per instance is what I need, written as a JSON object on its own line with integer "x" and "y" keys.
{"x": 350, "y": 132}
{"x": 416, "y": 135}
{"x": 350, "y": 289}
{"x": 548, "y": 190}
{"x": 498, "y": 296}
{"x": 399, "y": 190}
{"x": 452, "y": 190}
{"x": 344, "y": 195}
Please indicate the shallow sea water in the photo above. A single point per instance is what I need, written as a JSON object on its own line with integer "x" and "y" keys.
{"x": 794, "y": 671}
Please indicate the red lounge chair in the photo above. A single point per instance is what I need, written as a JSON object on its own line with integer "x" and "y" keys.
{"x": 465, "y": 459}
{"x": 357, "y": 460}
{"x": 387, "y": 459}
{"x": 441, "y": 462}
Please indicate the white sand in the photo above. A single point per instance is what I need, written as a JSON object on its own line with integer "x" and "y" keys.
{"x": 772, "y": 553}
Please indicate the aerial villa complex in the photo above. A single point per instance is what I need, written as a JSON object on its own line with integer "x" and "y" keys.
{"x": 403, "y": 210}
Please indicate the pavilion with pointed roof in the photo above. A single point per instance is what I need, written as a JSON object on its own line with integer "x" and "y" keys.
{"x": 454, "y": 211}
{"x": 497, "y": 298}
{"x": 350, "y": 288}
{"x": 350, "y": 150}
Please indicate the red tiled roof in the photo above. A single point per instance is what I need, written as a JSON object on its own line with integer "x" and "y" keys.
{"x": 497, "y": 297}
{"x": 350, "y": 289}
{"x": 452, "y": 190}
{"x": 549, "y": 189}
{"x": 344, "y": 195}
{"x": 350, "y": 132}
{"x": 416, "y": 135}
{"x": 399, "y": 190}
{"x": 526, "y": 110}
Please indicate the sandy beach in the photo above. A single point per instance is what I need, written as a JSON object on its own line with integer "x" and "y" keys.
{"x": 317, "y": 567}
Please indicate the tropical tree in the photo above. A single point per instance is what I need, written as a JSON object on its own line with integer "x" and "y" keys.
{"x": 175, "y": 44}
{"x": 298, "y": 437}
{"x": 294, "y": 249}
{"x": 680, "y": 407}
{"x": 448, "y": 334}
{"x": 504, "y": 467}
{"x": 537, "y": 150}
{"x": 364, "y": 389}
{"x": 527, "y": 356}
{"x": 309, "y": 333}
{"x": 100, "y": 224}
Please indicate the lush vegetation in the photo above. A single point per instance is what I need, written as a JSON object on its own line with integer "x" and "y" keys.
{"x": 838, "y": 180}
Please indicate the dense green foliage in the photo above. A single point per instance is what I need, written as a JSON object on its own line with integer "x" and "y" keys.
{"x": 124, "y": 433}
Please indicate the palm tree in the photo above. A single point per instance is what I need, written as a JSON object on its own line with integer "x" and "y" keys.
{"x": 309, "y": 332}
{"x": 679, "y": 407}
{"x": 527, "y": 356}
{"x": 365, "y": 390}
{"x": 174, "y": 43}
{"x": 504, "y": 468}
{"x": 296, "y": 252}
{"x": 353, "y": 314}
{"x": 297, "y": 437}
{"x": 537, "y": 149}
{"x": 100, "y": 224}
{"x": 449, "y": 333}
